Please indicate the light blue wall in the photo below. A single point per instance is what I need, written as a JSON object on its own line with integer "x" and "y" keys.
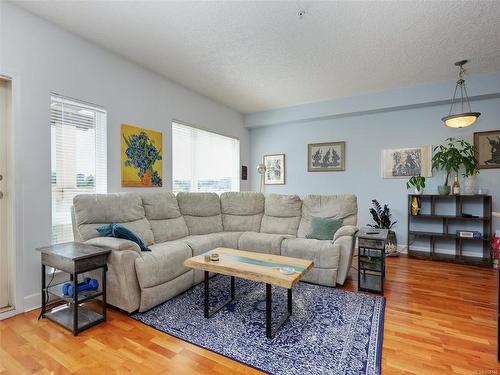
{"x": 365, "y": 136}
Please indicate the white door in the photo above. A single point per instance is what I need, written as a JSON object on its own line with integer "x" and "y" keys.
{"x": 5, "y": 217}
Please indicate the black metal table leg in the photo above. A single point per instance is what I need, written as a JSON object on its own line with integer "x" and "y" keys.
{"x": 269, "y": 302}
{"x": 289, "y": 293}
{"x": 207, "y": 311}
{"x": 104, "y": 307}
{"x": 207, "y": 297}
{"x": 44, "y": 300}
{"x": 270, "y": 330}
{"x": 75, "y": 304}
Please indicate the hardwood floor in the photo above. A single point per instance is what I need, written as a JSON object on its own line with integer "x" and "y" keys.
{"x": 440, "y": 319}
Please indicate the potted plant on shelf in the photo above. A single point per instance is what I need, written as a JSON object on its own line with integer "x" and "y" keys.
{"x": 383, "y": 220}
{"x": 418, "y": 182}
{"x": 451, "y": 157}
{"x": 471, "y": 170}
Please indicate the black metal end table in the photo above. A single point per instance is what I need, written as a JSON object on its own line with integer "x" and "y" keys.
{"x": 74, "y": 258}
{"x": 371, "y": 259}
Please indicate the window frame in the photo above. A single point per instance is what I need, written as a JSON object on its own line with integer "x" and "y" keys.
{"x": 100, "y": 167}
{"x": 205, "y": 129}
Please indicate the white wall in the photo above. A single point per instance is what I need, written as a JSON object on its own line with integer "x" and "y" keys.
{"x": 43, "y": 58}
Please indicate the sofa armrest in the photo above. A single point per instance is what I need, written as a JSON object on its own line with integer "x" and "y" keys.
{"x": 346, "y": 230}
{"x": 113, "y": 243}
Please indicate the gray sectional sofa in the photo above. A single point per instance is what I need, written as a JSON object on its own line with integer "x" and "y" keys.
{"x": 177, "y": 227}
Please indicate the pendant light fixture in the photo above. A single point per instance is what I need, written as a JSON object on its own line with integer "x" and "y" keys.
{"x": 462, "y": 119}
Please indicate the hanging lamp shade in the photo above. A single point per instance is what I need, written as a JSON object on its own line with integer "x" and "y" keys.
{"x": 465, "y": 117}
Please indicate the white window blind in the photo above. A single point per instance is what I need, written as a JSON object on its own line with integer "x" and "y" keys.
{"x": 78, "y": 158}
{"x": 203, "y": 161}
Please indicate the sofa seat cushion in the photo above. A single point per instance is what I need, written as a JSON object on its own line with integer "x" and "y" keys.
{"x": 202, "y": 243}
{"x": 230, "y": 239}
{"x": 261, "y": 242}
{"x": 162, "y": 264}
{"x": 322, "y": 252}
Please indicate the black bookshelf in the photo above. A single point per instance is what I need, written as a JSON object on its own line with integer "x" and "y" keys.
{"x": 482, "y": 207}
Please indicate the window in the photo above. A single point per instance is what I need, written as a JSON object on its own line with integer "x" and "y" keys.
{"x": 78, "y": 158}
{"x": 204, "y": 161}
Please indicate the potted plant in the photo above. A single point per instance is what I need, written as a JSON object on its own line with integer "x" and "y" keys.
{"x": 418, "y": 182}
{"x": 383, "y": 220}
{"x": 471, "y": 169}
{"x": 451, "y": 157}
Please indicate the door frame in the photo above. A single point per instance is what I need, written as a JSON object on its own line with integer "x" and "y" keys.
{"x": 14, "y": 206}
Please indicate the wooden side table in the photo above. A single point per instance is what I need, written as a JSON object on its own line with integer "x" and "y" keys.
{"x": 371, "y": 259}
{"x": 74, "y": 258}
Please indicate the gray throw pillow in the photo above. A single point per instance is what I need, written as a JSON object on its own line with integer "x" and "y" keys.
{"x": 323, "y": 228}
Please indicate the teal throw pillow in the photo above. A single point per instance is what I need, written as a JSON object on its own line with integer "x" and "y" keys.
{"x": 119, "y": 231}
{"x": 323, "y": 228}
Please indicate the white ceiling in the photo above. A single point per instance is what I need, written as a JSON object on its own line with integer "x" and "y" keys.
{"x": 255, "y": 56}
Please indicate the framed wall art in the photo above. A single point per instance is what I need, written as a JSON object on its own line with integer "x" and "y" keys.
{"x": 141, "y": 157}
{"x": 275, "y": 169}
{"x": 487, "y": 145}
{"x": 407, "y": 162}
{"x": 326, "y": 157}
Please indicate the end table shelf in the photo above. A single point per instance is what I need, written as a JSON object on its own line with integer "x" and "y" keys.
{"x": 74, "y": 258}
{"x": 57, "y": 291}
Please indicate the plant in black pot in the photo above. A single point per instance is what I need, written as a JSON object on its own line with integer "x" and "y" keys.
{"x": 383, "y": 220}
{"x": 450, "y": 157}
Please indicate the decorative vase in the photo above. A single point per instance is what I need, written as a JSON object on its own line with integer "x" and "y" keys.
{"x": 146, "y": 178}
{"x": 415, "y": 206}
{"x": 470, "y": 185}
{"x": 444, "y": 190}
{"x": 419, "y": 191}
{"x": 391, "y": 248}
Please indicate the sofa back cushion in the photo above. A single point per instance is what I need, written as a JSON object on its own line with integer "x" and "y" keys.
{"x": 201, "y": 212}
{"x": 343, "y": 207}
{"x": 281, "y": 214}
{"x": 162, "y": 211}
{"x": 94, "y": 210}
{"x": 242, "y": 212}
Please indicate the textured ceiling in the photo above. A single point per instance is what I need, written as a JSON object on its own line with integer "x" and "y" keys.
{"x": 254, "y": 56}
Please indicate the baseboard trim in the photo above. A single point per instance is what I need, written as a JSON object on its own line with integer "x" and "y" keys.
{"x": 32, "y": 302}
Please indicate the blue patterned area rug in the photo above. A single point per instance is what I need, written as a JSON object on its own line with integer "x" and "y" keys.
{"x": 329, "y": 332}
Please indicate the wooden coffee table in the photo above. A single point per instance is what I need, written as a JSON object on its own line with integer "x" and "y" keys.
{"x": 255, "y": 267}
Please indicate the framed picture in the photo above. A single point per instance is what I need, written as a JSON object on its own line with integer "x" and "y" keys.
{"x": 487, "y": 145}
{"x": 326, "y": 157}
{"x": 141, "y": 157}
{"x": 407, "y": 162}
{"x": 275, "y": 169}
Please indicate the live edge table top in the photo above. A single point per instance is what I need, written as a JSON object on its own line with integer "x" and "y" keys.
{"x": 252, "y": 266}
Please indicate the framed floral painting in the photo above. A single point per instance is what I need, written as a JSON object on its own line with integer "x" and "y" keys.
{"x": 141, "y": 157}
{"x": 275, "y": 169}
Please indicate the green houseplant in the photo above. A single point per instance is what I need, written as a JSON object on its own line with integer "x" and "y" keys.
{"x": 383, "y": 220}
{"x": 451, "y": 157}
{"x": 418, "y": 182}
{"x": 471, "y": 170}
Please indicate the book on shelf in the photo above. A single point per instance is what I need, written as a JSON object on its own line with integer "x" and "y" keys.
{"x": 469, "y": 234}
